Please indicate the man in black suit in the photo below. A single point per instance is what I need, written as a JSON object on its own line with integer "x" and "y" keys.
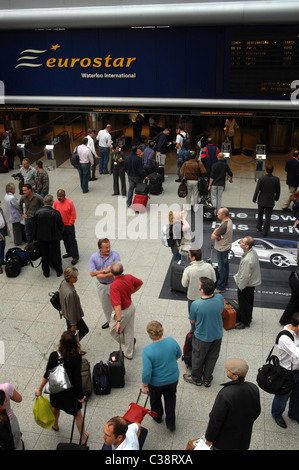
{"x": 267, "y": 191}
{"x": 48, "y": 232}
{"x": 135, "y": 172}
{"x": 292, "y": 171}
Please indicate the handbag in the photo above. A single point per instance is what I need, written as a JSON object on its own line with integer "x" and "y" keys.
{"x": 183, "y": 190}
{"x": 136, "y": 413}
{"x": 58, "y": 380}
{"x": 55, "y": 301}
{"x": 43, "y": 412}
{"x": 272, "y": 377}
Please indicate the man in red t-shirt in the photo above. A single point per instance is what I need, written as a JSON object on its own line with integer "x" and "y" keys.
{"x": 122, "y": 319}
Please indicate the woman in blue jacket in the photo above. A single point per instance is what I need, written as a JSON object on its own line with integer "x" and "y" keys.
{"x": 160, "y": 372}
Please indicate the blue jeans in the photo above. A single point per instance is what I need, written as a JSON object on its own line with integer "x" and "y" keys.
{"x": 84, "y": 176}
{"x": 223, "y": 267}
{"x": 280, "y": 401}
{"x": 104, "y": 158}
{"x": 29, "y": 229}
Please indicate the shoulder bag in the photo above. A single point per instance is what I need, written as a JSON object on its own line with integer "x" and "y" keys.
{"x": 273, "y": 378}
{"x": 58, "y": 379}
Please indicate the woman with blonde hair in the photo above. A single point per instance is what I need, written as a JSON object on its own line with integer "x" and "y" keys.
{"x": 160, "y": 373}
{"x": 70, "y": 304}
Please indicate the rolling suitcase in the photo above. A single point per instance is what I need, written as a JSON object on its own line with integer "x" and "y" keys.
{"x": 71, "y": 445}
{"x": 139, "y": 202}
{"x": 229, "y": 315}
{"x": 176, "y": 274}
{"x": 187, "y": 350}
{"x": 116, "y": 369}
{"x": 160, "y": 171}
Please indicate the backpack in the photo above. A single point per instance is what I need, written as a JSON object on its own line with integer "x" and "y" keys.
{"x": 17, "y": 253}
{"x": 75, "y": 158}
{"x": 100, "y": 380}
{"x": 187, "y": 350}
{"x": 86, "y": 377}
{"x": 273, "y": 378}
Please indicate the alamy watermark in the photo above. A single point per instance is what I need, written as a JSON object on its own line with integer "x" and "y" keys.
{"x": 294, "y": 95}
{"x": 122, "y": 223}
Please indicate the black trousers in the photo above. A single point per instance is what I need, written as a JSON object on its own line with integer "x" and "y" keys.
{"x": 70, "y": 242}
{"x": 245, "y": 300}
{"x": 292, "y": 307}
{"x": 266, "y": 225}
{"x": 51, "y": 256}
{"x": 119, "y": 174}
{"x": 169, "y": 394}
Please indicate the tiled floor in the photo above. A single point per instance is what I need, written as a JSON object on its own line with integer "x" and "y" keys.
{"x": 31, "y": 328}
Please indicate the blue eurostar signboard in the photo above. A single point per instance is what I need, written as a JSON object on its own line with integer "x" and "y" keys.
{"x": 166, "y": 62}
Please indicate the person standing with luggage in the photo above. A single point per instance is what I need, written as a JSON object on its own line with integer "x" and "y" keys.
{"x": 190, "y": 172}
{"x": 289, "y": 359}
{"x": 135, "y": 172}
{"x": 160, "y": 373}
{"x": 70, "y": 303}
{"x": 69, "y": 400}
{"x": 29, "y": 203}
{"x": 205, "y": 313}
{"x": 123, "y": 317}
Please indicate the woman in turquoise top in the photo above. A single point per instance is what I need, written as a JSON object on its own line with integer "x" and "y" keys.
{"x": 160, "y": 373}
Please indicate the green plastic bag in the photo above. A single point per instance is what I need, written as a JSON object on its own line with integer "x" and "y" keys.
{"x": 43, "y": 412}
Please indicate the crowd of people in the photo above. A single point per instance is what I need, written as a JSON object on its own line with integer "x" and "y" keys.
{"x": 50, "y": 221}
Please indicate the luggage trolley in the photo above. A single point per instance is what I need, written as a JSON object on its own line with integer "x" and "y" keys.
{"x": 260, "y": 157}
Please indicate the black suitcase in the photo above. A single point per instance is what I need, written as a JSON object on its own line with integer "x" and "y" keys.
{"x": 141, "y": 188}
{"x": 160, "y": 171}
{"x": 155, "y": 183}
{"x": 187, "y": 350}
{"x": 71, "y": 445}
{"x": 176, "y": 274}
{"x": 116, "y": 369}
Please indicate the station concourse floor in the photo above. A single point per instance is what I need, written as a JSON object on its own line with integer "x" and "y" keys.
{"x": 31, "y": 328}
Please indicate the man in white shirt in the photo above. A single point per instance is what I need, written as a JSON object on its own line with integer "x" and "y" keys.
{"x": 105, "y": 143}
{"x": 288, "y": 345}
{"x": 121, "y": 436}
{"x": 85, "y": 160}
{"x": 90, "y": 144}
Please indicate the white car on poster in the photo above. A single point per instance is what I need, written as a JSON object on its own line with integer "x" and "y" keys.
{"x": 280, "y": 253}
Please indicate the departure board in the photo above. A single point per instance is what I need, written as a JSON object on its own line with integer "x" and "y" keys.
{"x": 264, "y": 62}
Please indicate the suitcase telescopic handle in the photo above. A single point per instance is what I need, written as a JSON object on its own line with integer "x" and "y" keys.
{"x": 146, "y": 400}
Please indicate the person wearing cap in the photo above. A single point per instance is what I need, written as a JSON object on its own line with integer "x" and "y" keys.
{"x": 236, "y": 407}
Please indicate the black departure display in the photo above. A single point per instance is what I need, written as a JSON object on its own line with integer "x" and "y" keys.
{"x": 264, "y": 62}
